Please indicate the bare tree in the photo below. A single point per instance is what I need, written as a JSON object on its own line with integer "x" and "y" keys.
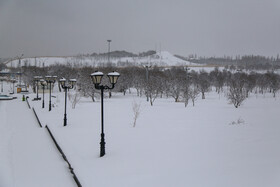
{"x": 193, "y": 93}
{"x": 236, "y": 96}
{"x": 139, "y": 81}
{"x": 262, "y": 83}
{"x": 136, "y": 111}
{"x": 84, "y": 83}
{"x": 126, "y": 80}
{"x": 218, "y": 79}
{"x": 154, "y": 88}
{"x": 250, "y": 83}
{"x": 186, "y": 90}
{"x": 237, "y": 93}
{"x": 203, "y": 83}
{"x": 273, "y": 82}
{"x": 176, "y": 79}
{"x": 2, "y": 65}
{"x": 74, "y": 98}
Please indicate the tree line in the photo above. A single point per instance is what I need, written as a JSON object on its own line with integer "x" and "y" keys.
{"x": 180, "y": 83}
{"x": 246, "y": 62}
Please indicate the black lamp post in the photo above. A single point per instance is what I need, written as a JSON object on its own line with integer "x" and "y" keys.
{"x": 66, "y": 85}
{"x": 109, "y": 41}
{"x": 1, "y": 79}
{"x": 147, "y": 80}
{"x": 37, "y": 80}
{"x": 43, "y": 84}
{"x": 50, "y": 80}
{"x": 14, "y": 81}
{"x": 109, "y": 63}
{"x": 96, "y": 79}
{"x": 19, "y": 62}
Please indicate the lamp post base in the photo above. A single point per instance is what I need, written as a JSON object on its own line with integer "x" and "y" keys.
{"x": 65, "y": 120}
{"x": 102, "y": 145}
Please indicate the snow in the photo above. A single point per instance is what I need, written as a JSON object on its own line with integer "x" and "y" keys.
{"x": 73, "y": 80}
{"x": 97, "y": 74}
{"x": 39, "y": 61}
{"x": 113, "y": 74}
{"x": 211, "y": 144}
{"x": 28, "y": 157}
{"x": 50, "y": 78}
{"x": 163, "y": 58}
{"x": 38, "y": 77}
{"x": 5, "y": 97}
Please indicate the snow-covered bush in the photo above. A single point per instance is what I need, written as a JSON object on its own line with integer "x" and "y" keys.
{"x": 240, "y": 121}
{"x": 74, "y": 98}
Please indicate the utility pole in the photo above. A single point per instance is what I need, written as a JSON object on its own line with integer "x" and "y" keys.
{"x": 19, "y": 61}
{"x": 109, "y": 41}
{"x": 109, "y": 64}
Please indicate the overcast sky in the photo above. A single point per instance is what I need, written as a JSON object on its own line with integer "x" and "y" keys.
{"x": 203, "y": 27}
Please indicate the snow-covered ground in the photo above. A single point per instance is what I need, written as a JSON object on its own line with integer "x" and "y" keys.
{"x": 211, "y": 144}
{"x": 163, "y": 58}
{"x": 27, "y": 155}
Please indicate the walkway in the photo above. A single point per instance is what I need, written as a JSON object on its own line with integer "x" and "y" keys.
{"x": 28, "y": 157}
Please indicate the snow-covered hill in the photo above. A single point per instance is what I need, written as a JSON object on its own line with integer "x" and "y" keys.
{"x": 163, "y": 58}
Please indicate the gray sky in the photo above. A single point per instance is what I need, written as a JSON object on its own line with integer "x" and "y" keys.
{"x": 204, "y": 27}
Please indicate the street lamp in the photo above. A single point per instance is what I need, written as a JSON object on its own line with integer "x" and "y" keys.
{"x": 188, "y": 76}
{"x": 66, "y": 85}
{"x": 96, "y": 79}
{"x": 14, "y": 81}
{"x": 109, "y": 41}
{"x": 50, "y": 80}
{"x": 1, "y": 79}
{"x": 19, "y": 62}
{"x": 37, "y": 80}
{"x": 109, "y": 63}
{"x": 43, "y": 84}
{"x": 147, "y": 81}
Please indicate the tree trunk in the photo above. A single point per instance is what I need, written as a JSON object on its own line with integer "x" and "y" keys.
{"x": 92, "y": 97}
{"x": 203, "y": 95}
{"x": 186, "y": 102}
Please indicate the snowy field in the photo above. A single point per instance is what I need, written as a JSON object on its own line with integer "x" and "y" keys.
{"x": 212, "y": 144}
{"x": 163, "y": 58}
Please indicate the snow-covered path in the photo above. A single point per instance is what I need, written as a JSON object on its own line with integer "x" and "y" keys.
{"x": 28, "y": 156}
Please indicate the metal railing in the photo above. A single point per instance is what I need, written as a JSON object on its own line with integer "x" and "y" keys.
{"x": 65, "y": 158}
